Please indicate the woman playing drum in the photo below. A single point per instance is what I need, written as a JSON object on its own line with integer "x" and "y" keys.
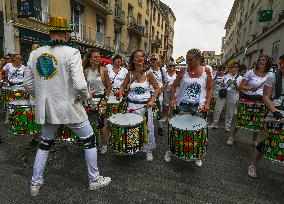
{"x": 100, "y": 85}
{"x": 138, "y": 83}
{"x": 195, "y": 89}
{"x": 252, "y": 87}
{"x": 273, "y": 96}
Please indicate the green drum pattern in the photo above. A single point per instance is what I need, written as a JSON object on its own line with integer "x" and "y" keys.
{"x": 115, "y": 108}
{"x": 213, "y": 104}
{"x": 273, "y": 148}
{"x": 156, "y": 111}
{"x": 22, "y": 120}
{"x": 188, "y": 145}
{"x": 251, "y": 116}
{"x": 66, "y": 134}
{"x": 127, "y": 140}
{"x": 10, "y": 95}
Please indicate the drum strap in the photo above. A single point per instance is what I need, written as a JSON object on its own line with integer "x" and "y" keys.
{"x": 137, "y": 102}
{"x": 45, "y": 144}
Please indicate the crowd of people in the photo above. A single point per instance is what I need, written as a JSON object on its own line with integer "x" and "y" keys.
{"x": 64, "y": 83}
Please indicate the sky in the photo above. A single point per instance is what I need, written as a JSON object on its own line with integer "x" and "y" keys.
{"x": 200, "y": 24}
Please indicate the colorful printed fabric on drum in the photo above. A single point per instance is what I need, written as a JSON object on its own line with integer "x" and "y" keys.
{"x": 156, "y": 111}
{"x": 22, "y": 120}
{"x": 46, "y": 66}
{"x": 251, "y": 116}
{"x": 127, "y": 140}
{"x": 274, "y": 142}
{"x": 213, "y": 104}
{"x": 66, "y": 134}
{"x": 188, "y": 144}
{"x": 10, "y": 95}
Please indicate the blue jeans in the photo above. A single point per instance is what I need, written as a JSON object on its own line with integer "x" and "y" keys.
{"x": 190, "y": 108}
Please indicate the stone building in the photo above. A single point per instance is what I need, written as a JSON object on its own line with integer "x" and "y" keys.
{"x": 112, "y": 26}
{"x": 251, "y": 33}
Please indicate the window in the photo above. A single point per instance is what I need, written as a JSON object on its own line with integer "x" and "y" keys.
{"x": 159, "y": 16}
{"x": 41, "y": 10}
{"x": 77, "y": 11}
{"x": 275, "y": 51}
{"x": 139, "y": 17}
{"x": 154, "y": 15}
{"x": 146, "y": 27}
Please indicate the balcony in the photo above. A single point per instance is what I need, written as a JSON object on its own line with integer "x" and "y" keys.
{"x": 135, "y": 27}
{"x": 119, "y": 14}
{"x": 103, "y": 41}
{"x": 118, "y": 47}
{"x": 102, "y": 5}
{"x": 156, "y": 42}
{"x": 83, "y": 33}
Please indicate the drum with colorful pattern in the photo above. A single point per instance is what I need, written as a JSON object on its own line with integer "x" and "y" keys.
{"x": 128, "y": 133}
{"x": 66, "y": 134}
{"x": 21, "y": 117}
{"x": 113, "y": 106}
{"x": 11, "y": 94}
{"x": 188, "y": 137}
{"x": 273, "y": 148}
{"x": 251, "y": 115}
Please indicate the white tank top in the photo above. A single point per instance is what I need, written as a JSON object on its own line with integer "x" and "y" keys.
{"x": 95, "y": 82}
{"x": 192, "y": 90}
{"x": 116, "y": 79}
{"x": 171, "y": 80}
{"x": 139, "y": 91}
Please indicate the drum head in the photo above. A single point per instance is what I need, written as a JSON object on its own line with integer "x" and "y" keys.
{"x": 18, "y": 87}
{"x": 20, "y": 102}
{"x": 126, "y": 119}
{"x": 188, "y": 122}
{"x": 112, "y": 100}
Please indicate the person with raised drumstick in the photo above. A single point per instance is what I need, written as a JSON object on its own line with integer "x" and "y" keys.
{"x": 139, "y": 82}
{"x": 273, "y": 97}
{"x": 195, "y": 87}
{"x": 99, "y": 84}
{"x": 54, "y": 74}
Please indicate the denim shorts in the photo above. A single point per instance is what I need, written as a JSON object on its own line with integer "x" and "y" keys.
{"x": 190, "y": 108}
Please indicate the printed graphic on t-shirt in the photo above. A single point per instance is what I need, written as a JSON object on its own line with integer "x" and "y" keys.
{"x": 45, "y": 66}
{"x": 139, "y": 90}
{"x": 192, "y": 91}
{"x": 16, "y": 75}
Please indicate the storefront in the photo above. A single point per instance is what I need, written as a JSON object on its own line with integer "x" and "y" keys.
{"x": 29, "y": 38}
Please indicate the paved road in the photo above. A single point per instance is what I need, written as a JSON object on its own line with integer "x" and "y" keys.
{"x": 222, "y": 179}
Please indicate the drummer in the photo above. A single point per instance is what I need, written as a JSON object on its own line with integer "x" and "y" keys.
{"x": 117, "y": 73}
{"x": 139, "y": 83}
{"x": 273, "y": 89}
{"x": 195, "y": 89}
{"x": 99, "y": 84}
{"x": 15, "y": 71}
{"x": 252, "y": 86}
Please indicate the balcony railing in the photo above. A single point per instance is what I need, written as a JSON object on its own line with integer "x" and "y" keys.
{"x": 119, "y": 14}
{"x": 103, "y": 41}
{"x": 40, "y": 15}
{"x": 82, "y": 32}
{"x": 102, "y": 5}
{"x": 118, "y": 47}
{"x": 133, "y": 25}
{"x": 157, "y": 42}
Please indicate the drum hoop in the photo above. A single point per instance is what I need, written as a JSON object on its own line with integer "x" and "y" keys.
{"x": 125, "y": 126}
{"x": 187, "y": 129}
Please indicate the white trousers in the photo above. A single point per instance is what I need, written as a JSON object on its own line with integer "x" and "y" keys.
{"x": 83, "y": 131}
{"x": 230, "y": 100}
{"x": 151, "y": 136}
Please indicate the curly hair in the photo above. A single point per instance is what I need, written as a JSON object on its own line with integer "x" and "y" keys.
{"x": 131, "y": 59}
{"x": 267, "y": 64}
{"x": 86, "y": 59}
{"x": 116, "y": 57}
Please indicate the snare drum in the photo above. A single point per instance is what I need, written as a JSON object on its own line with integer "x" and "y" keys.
{"x": 66, "y": 134}
{"x": 21, "y": 117}
{"x": 273, "y": 147}
{"x": 128, "y": 133}
{"x": 187, "y": 137}
{"x": 12, "y": 93}
{"x": 251, "y": 115}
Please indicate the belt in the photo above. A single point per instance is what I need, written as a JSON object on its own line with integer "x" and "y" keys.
{"x": 189, "y": 104}
{"x": 137, "y": 102}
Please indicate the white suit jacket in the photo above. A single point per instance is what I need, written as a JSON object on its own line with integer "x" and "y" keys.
{"x": 55, "y": 76}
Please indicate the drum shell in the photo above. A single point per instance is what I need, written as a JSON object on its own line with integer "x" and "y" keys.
{"x": 251, "y": 115}
{"x": 10, "y": 94}
{"x": 273, "y": 148}
{"x": 21, "y": 118}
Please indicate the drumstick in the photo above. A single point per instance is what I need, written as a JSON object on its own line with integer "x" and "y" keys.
{"x": 132, "y": 110}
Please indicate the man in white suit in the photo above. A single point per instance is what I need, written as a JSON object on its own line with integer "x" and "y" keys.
{"x": 54, "y": 75}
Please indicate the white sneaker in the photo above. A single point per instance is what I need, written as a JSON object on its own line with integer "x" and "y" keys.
{"x": 101, "y": 182}
{"x": 230, "y": 141}
{"x": 149, "y": 156}
{"x": 227, "y": 129}
{"x": 198, "y": 162}
{"x": 104, "y": 149}
{"x": 213, "y": 126}
{"x": 252, "y": 171}
{"x": 168, "y": 156}
{"x": 34, "y": 190}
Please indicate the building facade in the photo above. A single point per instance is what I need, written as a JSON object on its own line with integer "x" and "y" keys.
{"x": 250, "y": 34}
{"x": 112, "y": 26}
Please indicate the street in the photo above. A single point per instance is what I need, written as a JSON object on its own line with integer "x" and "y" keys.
{"x": 222, "y": 178}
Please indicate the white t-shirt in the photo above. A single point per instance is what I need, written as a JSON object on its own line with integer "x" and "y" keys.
{"x": 255, "y": 81}
{"x": 171, "y": 80}
{"x": 15, "y": 75}
{"x": 218, "y": 83}
{"x": 116, "y": 79}
{"x": 232, "y": 88}
{"x": 271, "y": 81}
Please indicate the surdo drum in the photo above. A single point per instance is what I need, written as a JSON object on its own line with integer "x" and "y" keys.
{"x": 187, "y": 137}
